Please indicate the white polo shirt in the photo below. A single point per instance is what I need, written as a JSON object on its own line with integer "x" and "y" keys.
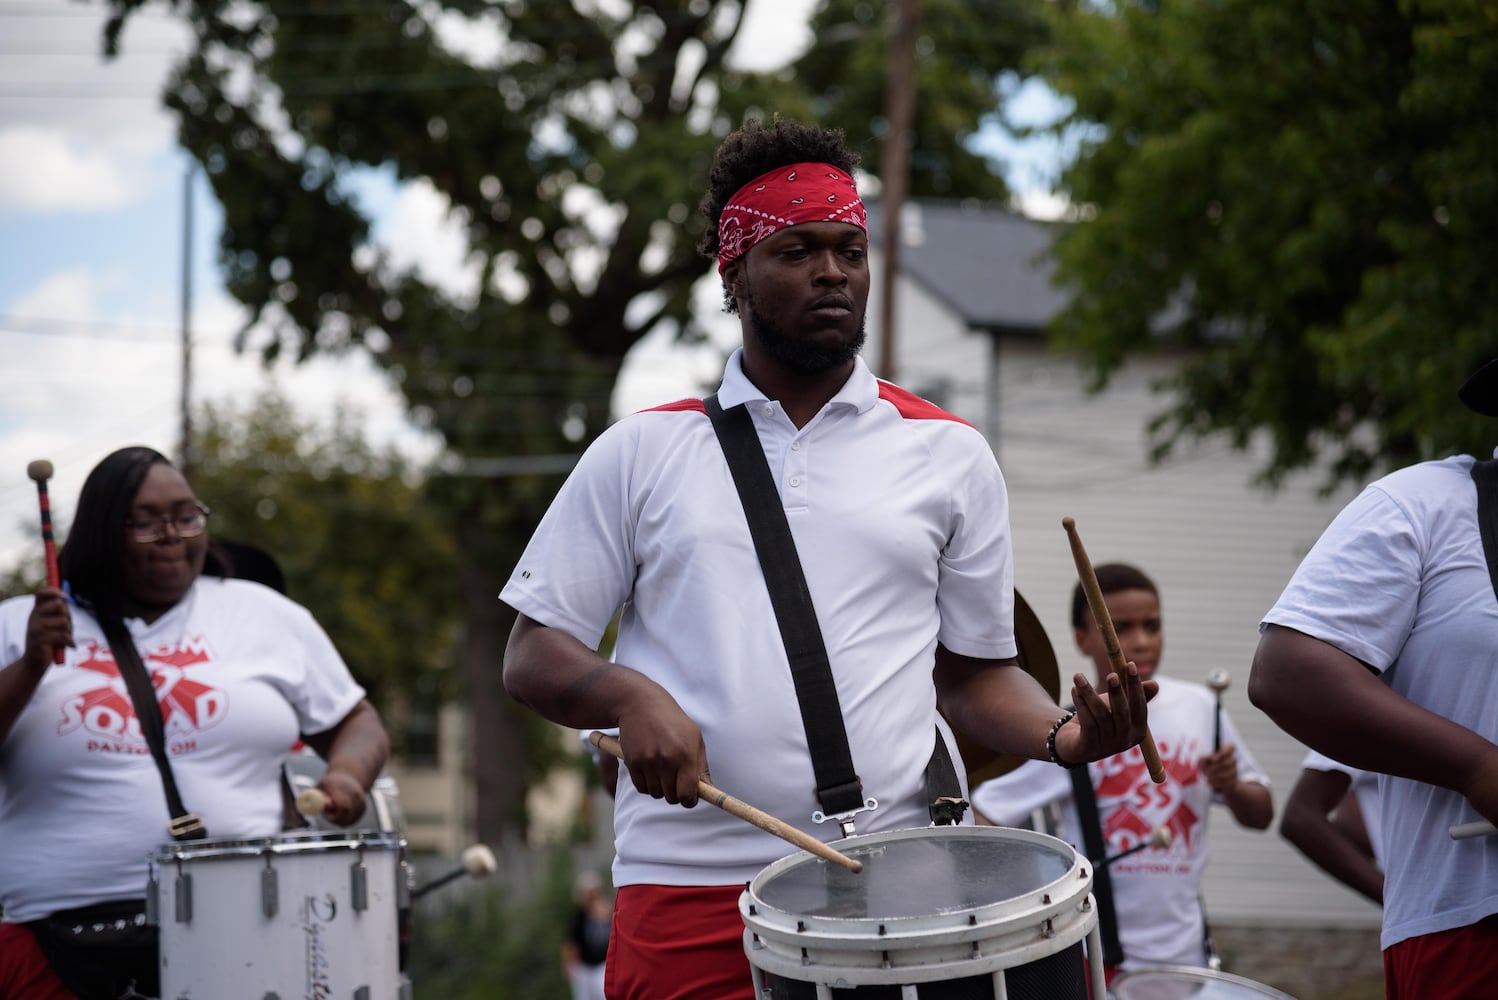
{"x": 901, "y": 521}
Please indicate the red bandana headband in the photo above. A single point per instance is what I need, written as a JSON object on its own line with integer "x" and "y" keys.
{"x": 786, "y": 196}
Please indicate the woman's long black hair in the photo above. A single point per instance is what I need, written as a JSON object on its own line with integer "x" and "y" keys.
{"x": 92, "y": 558}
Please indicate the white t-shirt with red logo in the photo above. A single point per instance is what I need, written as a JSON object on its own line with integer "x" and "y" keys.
{"x": 240, "y": 671}
{"x": 1156, "y": 891}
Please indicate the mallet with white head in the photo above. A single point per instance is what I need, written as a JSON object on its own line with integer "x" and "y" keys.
{"x": 478, "y": 862}
{"x": 1218, "y": 682}
{"x": 40, "y": 471}
{"x": 1159, "y": 837}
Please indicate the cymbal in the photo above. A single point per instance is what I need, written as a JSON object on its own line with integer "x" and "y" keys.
{"x": 1038, "y": 659}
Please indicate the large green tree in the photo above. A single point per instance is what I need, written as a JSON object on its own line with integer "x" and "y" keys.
{"x": 571, "y": 141}
{"x": 1302, "y": 195}
{"x": 351, "y": 529}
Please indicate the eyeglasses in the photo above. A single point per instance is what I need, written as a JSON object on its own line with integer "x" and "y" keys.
{"x": 188, "y": 524}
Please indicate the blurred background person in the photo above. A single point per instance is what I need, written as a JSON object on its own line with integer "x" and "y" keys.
{"x": 1332, "y": 818}
{"x": 238, "y": 673}
{"x": 1159, "y": 917}
{"x": 586, "y": 949}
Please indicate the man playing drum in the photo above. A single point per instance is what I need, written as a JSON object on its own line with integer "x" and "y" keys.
{"x": 900, "y": 521}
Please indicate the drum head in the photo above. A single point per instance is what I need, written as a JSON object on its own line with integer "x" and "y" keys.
{"x": 915, "y": 877}
{"x": 1039, "y": 661}
{"x": 1171, "y": 983}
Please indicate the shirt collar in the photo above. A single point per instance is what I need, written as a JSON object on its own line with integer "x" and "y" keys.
{"x": 859, "y": 393}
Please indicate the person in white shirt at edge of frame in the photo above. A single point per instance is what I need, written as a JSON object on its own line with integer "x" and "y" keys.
{"x": 1380, "y": 653}
{"x": 1332, "y": 818}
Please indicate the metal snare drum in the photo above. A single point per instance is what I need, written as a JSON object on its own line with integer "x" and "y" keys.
{"x": 942, "y": 913}
{"x": 1169, "y": 982}
{"x": 305, "y": 914}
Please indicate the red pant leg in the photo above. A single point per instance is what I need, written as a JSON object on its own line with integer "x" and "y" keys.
{"x": 24, "y": 972}
{"x": 677, "y": 943}
{"x": 1459, "y": 964}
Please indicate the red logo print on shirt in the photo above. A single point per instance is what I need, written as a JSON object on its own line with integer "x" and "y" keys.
{"x": 1133, "y": 806}
{"x": 106, "y": 713}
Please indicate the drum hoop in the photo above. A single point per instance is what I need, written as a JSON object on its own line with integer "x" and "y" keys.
{"x": 1061, "y": 910}
{"x": 1194, "y": 974}
{"x": 796, "y": 966}
{"x": 291, "y": 843}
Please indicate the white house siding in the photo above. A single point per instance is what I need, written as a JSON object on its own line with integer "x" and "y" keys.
{"x": 1220, "y": 549}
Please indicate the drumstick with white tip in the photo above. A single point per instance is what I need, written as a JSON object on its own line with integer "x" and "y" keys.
{"x": 1104, "y": 621}
{"x": 746, "y": 812}
{"x": 1476, "y": 828}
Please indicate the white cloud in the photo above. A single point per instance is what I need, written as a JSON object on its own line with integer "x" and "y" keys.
{"x": 46, "y": 170}
{"x": 421, "y": 231}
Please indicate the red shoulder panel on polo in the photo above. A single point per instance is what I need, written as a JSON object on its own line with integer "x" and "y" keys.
{"x": 912, "y": 407}
{"x": 680, "y": 404}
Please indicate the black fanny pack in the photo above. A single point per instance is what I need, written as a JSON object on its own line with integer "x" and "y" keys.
{"x": 102, "y": 952}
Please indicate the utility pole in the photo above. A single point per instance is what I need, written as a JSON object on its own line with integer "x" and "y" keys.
{"x": 899, "y": 104}
{"x": 185, "y": 454}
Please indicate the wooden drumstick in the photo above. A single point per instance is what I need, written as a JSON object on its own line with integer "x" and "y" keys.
{"x": 40, "y": 471}
{"x": 311, "y": 801}
{"x": 746, "y": 812}
{"x": 1110, "y": 638}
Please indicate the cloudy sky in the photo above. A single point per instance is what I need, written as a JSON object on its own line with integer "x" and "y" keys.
{"x": 92, "y": 192}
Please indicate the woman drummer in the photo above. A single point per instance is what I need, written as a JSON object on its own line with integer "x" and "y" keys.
{"x": 239, "y": 673}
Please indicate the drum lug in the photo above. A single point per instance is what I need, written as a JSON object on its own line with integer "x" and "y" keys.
{"x": 184, "y": 898}
{"x": 362, "y": 993}
{"x": 152, "y": 887}
{"x": 270, "y": 894}
{"x": 359, "y": 886}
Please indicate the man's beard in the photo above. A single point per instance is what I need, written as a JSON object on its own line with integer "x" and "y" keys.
{"x": 801, "y": 355}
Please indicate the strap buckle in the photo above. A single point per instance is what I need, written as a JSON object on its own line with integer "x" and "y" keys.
{"x": 845, "y": 819}
{"x": 187, "y": 827}
{"x": 948, "y": 810}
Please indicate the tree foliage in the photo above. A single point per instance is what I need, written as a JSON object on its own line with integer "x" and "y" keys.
{"x": 570, "y": 150}
{"x": 962, "y": 49}
{"x": 351, "y": 530}
{"x": 1301, "y": 195}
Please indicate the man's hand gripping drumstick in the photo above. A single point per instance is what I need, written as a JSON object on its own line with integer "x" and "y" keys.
{"x": 1121, "y": 670}
{"x": 714, "y": 796}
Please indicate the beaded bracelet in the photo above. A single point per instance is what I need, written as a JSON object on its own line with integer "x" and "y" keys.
{"x": 1050, "y": 741}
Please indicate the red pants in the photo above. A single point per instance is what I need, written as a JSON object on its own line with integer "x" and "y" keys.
{"x": 24, "y": 972}
{"x": 677, "y": 943}
{"x": 1459, "y": 964}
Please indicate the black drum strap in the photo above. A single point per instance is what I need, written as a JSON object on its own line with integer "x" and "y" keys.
{"x": 1485, "y": 475}
{"x": 1097, "y": 852}
{"x": 184, "y": 825}
{"x": 839, "y": 789}
{"x": 944, "y": 799}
